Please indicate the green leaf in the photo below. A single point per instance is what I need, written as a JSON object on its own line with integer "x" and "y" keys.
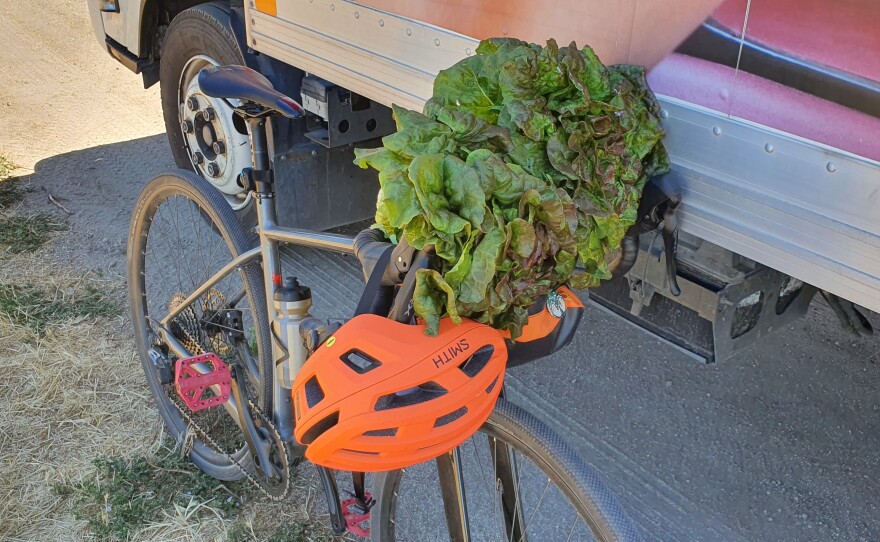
{"x": 462, "y": 267}
{"x": 482, "y": 271}
{"x": 523, "y": 174}
{"x": 426, "y": 173}
{"x": 433, "y": 297}
{"x": 463, "y": 191}
{"x": 417, "y": 134}
{"x": 521, "y": 237}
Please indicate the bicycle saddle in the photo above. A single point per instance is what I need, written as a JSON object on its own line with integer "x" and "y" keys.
{"x": 242, "y": 83}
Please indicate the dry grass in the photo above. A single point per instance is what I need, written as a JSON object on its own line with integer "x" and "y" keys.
{"x": 21, "y": 232}
{"x": 69, "y": 396}
{"x": 73, "y": 392}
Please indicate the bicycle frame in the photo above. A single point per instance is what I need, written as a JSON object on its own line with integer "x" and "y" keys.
{"x": 270, "y": 234}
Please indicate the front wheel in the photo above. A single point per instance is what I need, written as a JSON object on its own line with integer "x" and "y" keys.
{"x": 515, "y": 480}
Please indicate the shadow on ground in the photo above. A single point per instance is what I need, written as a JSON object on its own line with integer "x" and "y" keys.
{"x": 98, "y": 186}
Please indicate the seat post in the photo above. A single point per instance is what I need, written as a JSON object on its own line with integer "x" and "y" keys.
{"x": 259, "y": 145}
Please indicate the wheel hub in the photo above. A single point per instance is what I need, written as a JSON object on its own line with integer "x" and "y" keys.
{"x": 218, "y": 149}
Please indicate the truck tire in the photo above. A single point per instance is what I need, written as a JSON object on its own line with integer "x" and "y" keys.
{"x": 198, "y": 37}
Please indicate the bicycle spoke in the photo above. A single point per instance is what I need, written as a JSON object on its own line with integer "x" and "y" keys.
{"x": 571, "y": 531}
{"x": 535, "y": 511}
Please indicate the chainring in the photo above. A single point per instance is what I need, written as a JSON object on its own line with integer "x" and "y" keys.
{"x": 187, "y": 331}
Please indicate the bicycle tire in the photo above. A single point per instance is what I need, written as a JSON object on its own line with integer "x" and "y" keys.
{"x": 577, "y": 481}
{"x": 213, "y": 209}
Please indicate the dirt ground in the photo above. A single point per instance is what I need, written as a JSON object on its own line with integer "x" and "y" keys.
{"x": 781, "y": 443}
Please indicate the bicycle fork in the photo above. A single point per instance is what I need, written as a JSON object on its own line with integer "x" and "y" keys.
{"x": 506, "y": 482}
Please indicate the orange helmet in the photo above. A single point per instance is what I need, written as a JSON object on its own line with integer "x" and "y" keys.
{"x": 380, "y": 395}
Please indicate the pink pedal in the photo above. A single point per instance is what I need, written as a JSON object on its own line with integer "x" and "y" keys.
{"x": 356, "y": 520}
{"x": 192, "y": 383}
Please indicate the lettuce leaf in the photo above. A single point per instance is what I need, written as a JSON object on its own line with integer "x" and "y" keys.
{"x": 523, "y": 173}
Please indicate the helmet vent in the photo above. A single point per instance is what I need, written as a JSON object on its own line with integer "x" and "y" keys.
{"x": 359, "y": 362}
{"x": 362, "y": 452}
{"x": 492, "y": 385}
{"x": 314, "y": 392}
{"x": 390, "y": 432}
{"x": 411, "y": 396}
{"x": 474, "y": 364}
{"x": 451, "y": 417}
{"x": 319, "y": 428}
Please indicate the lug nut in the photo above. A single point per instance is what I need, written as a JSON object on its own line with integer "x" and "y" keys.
{"x": 192, "y": 103}
{"x": 198, "y": 158}
{"x": 219, "y": 147}
{"x": 186, "y": 126}
{"x": 213, "y": 169}
{"x": 209, "y": 114}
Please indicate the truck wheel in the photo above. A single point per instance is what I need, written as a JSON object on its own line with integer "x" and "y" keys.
{"x": 204, "y": 134}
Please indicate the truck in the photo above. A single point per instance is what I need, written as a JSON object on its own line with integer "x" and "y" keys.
{"x": 771, "y": 113}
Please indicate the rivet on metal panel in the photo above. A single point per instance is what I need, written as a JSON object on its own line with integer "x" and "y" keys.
{"x": 716, "y": 130}
{"x": 409, "y": 31}
{"x": 254, "y": 41}
{"x": 357, "y": 14}
{"x": 831, "y": 167}
{"x": 467, "y": 51}
{"x": 437, "y": 42}
{"x": 769, "y": 147}
{"x": 381, "y": 22}
{"x": 332, "y": 7}
{"x": 253, "y": 22}
{"x": 664, "y": 114}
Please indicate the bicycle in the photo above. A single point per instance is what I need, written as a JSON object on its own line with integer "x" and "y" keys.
{"x": 222, "y": 335}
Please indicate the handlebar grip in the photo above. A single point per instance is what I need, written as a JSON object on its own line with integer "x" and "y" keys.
{"x": 369, "y": 245}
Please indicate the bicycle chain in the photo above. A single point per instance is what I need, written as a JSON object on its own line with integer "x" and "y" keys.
{"x": 195, "y": 348}
{"x": 207, "y": 439}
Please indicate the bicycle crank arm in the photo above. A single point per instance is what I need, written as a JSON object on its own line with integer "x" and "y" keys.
{"x": 259, "y": 446}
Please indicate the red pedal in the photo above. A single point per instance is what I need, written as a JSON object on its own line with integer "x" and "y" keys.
{"x": 357, "y": 521}
{"x": 191, "y": 383}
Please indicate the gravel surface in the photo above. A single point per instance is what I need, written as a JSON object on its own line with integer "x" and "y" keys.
{"x": 780, "y": 443}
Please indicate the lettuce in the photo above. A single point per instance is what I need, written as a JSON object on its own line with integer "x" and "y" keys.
{"x": 523, "y": 174}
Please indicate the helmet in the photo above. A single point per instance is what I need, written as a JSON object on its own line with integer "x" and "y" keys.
{"x": 380, "y": 395}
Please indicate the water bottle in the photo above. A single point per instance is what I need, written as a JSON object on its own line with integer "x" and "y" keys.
{"x": 292, "y": 301}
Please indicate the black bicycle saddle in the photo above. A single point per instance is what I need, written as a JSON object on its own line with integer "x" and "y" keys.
{"x": 242, "y": 83}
